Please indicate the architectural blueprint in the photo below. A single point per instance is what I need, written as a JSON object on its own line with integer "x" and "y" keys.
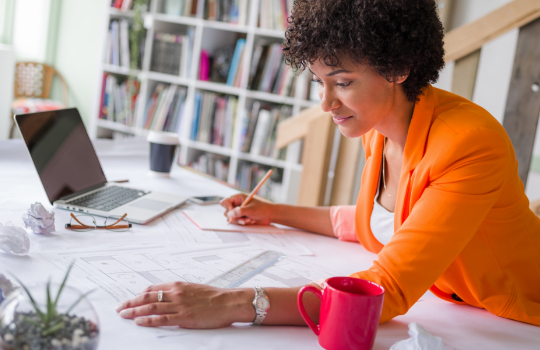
{"x": 126, "y": 272}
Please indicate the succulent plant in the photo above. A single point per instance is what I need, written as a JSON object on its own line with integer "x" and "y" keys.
{"x": 50, "y": 319}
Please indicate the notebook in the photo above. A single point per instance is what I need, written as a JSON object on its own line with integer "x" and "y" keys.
{"x": 215, "y": 221}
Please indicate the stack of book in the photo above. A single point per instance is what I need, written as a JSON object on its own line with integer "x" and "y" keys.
{"x": 212, "y": 164}
{"x": 180, "y": 7}
{"x": 259, "y": 128}
{"x": 118, "y": 98}
{"x": 250, "y": 174}
{"x": 165, "y": 108}
{"x": 232, "y": 11}
{"x": 171, "y": 53}
{"x": 268, "y": 71}
{"x": 117, "y": 51}
{"x": 213, "y": 118}
{"x": 273, "y": 14}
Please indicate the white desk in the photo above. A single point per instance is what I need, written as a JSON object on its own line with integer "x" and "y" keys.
{"x": 461, "y": 327}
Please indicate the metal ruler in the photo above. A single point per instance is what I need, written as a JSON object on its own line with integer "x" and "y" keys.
{"x": 246, "y": 270}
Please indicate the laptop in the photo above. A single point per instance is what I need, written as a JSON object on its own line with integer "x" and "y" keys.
{"x": 72, "y": 176}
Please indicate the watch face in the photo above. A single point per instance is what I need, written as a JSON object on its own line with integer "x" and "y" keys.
{"x": 262, "y": 303}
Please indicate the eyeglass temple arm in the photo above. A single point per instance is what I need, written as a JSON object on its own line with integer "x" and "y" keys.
{"x": 122, "y": 218}
{"x": 73, "y": 216}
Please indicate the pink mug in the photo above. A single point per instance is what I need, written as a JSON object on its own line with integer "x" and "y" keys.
{"x": 350, "y": 313}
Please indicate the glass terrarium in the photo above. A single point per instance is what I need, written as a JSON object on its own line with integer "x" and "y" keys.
{"x": 39, "y": 317}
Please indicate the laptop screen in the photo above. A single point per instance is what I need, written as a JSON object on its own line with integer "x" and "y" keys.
{"x": 61, "y": 150}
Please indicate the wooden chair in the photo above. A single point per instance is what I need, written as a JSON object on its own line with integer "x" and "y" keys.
{"x": 463, "y": 46}
{"x": 33, "y": 79}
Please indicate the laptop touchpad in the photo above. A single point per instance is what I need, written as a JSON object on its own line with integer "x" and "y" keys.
{"x": 150, "y": 204}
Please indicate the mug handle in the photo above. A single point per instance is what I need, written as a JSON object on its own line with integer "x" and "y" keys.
{"x": 314, "y": 327}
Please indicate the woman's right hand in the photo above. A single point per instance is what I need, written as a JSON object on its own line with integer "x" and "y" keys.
{"x": 257, "y": 211}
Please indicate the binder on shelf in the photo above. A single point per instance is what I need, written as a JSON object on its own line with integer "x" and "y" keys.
{"x": 171, "y": 53}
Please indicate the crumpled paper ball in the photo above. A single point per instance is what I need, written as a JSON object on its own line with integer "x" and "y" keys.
{"x": 14, "y": 239}
{"x": 38, "y": 219}
{"x": 420, "y": 339}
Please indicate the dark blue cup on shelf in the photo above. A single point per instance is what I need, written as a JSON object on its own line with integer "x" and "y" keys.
{"x": 162, "y": 151}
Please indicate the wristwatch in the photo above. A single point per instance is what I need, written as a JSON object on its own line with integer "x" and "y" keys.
{"x": 261, "y": 303}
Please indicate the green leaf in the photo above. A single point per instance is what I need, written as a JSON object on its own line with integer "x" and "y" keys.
{"x": 63, "y": 284}
{"x": 50, "y": 306}
{"x": 79, "y": 300}
{"x": 26, "y": 319}
{"x": 53, "y": 329}
{"x": 34, "y": 304}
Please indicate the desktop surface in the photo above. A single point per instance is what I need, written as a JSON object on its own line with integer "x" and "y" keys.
{"x": 460, "y": 327}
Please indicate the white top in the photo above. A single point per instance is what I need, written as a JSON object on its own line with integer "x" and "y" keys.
{"x": 382, "y": 221}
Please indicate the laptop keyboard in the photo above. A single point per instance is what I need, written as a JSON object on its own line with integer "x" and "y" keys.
{"x": 108, "y": 198}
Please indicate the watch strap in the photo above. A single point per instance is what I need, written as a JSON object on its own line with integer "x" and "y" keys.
{"x": 260, "y": 315}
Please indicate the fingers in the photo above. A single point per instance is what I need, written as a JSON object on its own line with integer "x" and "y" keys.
{"x": 242, "y": 221}
{"x": 233, "y": 201}
{"x": 149, "y": 295}
{"x": 148, "y": 310}
{"x": 157, "y": 321}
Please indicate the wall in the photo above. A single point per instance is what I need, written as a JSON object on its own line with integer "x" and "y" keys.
{"x": 494, "y": 73}
{"x": 81, "y": 29}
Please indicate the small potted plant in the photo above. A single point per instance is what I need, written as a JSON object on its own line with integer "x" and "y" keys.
{"x": 36, "y": 318}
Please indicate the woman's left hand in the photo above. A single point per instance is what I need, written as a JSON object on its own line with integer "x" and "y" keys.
{"x": 189, "y": 305}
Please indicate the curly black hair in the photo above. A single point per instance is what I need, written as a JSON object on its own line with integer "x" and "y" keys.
{"x": 396, "y": 37}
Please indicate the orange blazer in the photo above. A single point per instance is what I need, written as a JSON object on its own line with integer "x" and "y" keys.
{"x": 462, "y": 223}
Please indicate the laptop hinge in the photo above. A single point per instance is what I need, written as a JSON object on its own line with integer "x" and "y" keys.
{"x": 78, "y": 193}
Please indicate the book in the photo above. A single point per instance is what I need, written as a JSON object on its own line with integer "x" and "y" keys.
{"x": 261, "y": 130}
{"x": 178, "y": 111}
{"x": 159, "y": 120}
{"x": 204, "y": 69}
{"x": 240, "y": 44}
{"x": 124, "y": 43}
{"x": 252, "y": 122}
{"x": 173, "y": 7}
{"x": 261, "y": 63}
{"x": 115, "y": 46}
{"x": 127, "y": 4}
{"x": 197, "y": 111}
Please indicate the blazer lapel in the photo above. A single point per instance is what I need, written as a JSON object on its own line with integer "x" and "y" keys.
{"x": 415, "y": 148}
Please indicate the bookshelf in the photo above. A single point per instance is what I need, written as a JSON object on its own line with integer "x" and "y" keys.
{"x": 224, "y": 156}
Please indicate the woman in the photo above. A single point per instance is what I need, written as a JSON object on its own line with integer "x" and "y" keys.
{"x": 441, "y": 202}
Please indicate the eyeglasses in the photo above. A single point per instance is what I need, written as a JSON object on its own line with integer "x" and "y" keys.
{"x": 81, "y": 223}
